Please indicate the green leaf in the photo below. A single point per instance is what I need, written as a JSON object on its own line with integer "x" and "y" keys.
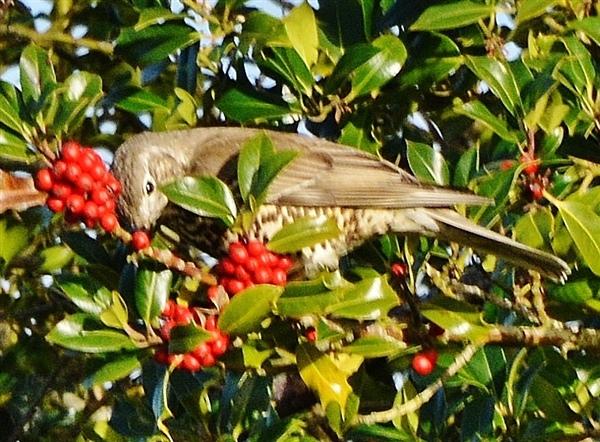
{"x": 250, "y": 106}
{"x": 115, "y": 370}
{"x": 409, "y": 423}
{"x": 433, "y": 57}
{"x": 86, "y": 293}
{"x": 287, "y": 63}
{"x": 529, "y": 9}
{"x": 10, "y": 108}
{"x": 248, "y": 309}
{"x": 368, "y": 299}
{"x": 15, "y": 237}
{"x": 116, "y": 316}
{"x": 55, "y": 258}
{"x": 427, "y": 164}
{"x": 302, "y": 298}
{"x": 87, "y": 247}
{"x": 152, "y": 289}
{"x": 480, "y": 113}
{"x": 375, "y": 347}
{"x": 357, "y": 132}
{"x": 535, "y": 228}
{"x": 459, "y": 318}
{"x": 466, "y": 167}
{"x": 500, "y": 79}
{"x": 301, "y": 28}
{"x": 137, "y": 101}
{"x": 155, "y": 43}
{"x": 584, "y": 226}
{"x": 154, "y": 16}
{"x": 589, "y": 25}
{"x": 326, "y": 376}
{"x": 73, "y": 333}
{"x": 304, "y": 232}
{"x": 205, "y": 196}
{"x": 79, "y": 91}
{"x": 258, "y": 165}
{"x": 14, "y": 149}
{"x": 253, "y": 33}
{"x": 380, "y": 68}
{"x": 185, "y": 338}
{"x": 576, "y": 71}
{"x": 451, "y": 16}
{"x": 37, "y": 78}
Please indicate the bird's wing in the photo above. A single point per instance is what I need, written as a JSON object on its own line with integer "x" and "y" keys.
{"x": 328, "y": 174}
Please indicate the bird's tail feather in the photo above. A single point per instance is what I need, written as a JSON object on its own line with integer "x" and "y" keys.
{"x": 455, "y": 228}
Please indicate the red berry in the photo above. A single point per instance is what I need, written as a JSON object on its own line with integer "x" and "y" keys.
{"x": 97, "y": 171}
{"x": 73, "y": 172}
{"x": 252, "y": 264}
{"x": 234, "y": 286}
{"x": 227, "y": 267}
{"x": 75, "y": 203}
{"x": 424, "y": 363}
{"x": 238, "y": 253}
{"x": 161, "y": 356}
{"x": 190, "y": 363}
{"x": 169, "y": 309}
{"x": 211, "y": 323}
{"x": 61, "y": 190}
{"x": 44, "y": 180}
{"x": 58, "y": 169}
{"x": 208, "y": 360}
{"x": 202, "y": 350}
{"x": 90, "y": 211}
{"x": 87, "y": 159}
{"x": 70, "y": 151}
{"x": 285, "y": 263}
{"x": 255, "y": 248}
{"x": 100, "y": 196}
{"x": 311, "y": 334}
{"x": 183, "y": 315}
{"x": 262, "y": 275}
{"x": 110, "y": 205}
{"x": 140, "y": 240}
{"x": 278, "y": 276}
{"x": 399, "y": 270}
{"x": 219, "y": 345}
{"x": 85, "y": 182}
{"x": 242, "y": 274}
{"x": 108, "y": 222}
{"x": 165, "y": 330}
{"x": 56, "y": 204}
{"x": 113, "y": 185}
{"x": 213, "y": 292}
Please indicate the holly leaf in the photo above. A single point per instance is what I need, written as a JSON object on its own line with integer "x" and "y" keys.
{"x": 205, "y": 196}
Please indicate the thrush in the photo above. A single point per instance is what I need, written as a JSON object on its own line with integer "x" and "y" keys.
{"x": 365, "y": 194}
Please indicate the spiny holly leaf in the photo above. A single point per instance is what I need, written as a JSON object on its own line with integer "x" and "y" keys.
{"x": 325, "y": 375}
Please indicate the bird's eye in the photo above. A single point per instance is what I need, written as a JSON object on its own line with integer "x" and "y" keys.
{"x": 149, "y": 187}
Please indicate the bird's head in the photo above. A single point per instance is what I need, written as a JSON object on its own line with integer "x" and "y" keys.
{"x": 142, "y": 167}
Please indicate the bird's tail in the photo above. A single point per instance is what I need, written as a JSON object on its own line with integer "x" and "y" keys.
{"x": 455, "y": 228}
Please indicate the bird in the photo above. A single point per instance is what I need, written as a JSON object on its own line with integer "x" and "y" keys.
{"x": 365, "y": 194}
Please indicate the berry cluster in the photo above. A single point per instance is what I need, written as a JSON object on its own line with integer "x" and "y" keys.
{"x": 80, "y": 185}
{"x": 424, "y": 362}
{"x": 250, "y": 263}
{"x": 205, "y": 354}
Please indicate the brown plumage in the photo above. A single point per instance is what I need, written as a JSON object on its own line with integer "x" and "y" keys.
{"x": 365, "y": 194}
